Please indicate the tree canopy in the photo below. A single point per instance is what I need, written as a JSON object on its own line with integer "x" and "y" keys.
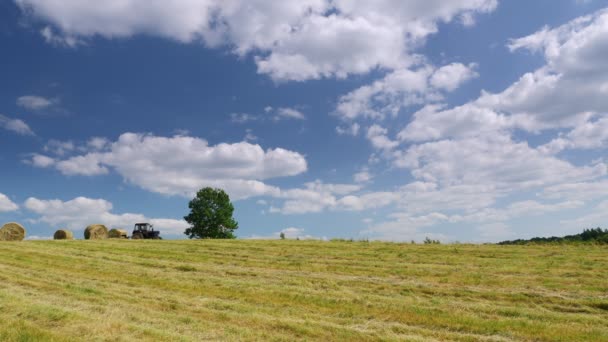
{"x": 211, "y": 215}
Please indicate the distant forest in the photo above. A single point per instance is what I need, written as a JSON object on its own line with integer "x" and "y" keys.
{"x": 594, "y": 235}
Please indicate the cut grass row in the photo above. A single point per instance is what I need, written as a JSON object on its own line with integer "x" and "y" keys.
{"x": 309, "y": 290}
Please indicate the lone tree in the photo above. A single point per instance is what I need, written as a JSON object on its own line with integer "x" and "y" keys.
{"x": 211, "y": 215}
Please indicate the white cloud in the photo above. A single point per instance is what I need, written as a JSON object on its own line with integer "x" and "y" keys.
{"x": 100, "y": 143}
{"x": 596, "y": 218}
{"x": 352, "y": 129}
{"x": 377, "y": 135}
{"x": 334, "y": 46}
{"x": 87, "y": 165}
{"x": 78, "y": 213}
{"x": 496, "y": 160}
{"x": 363, "y": 176}
{"x": 278, "y": 114}
{"x": 60, "y": 148}
{"x": 39, "y": 160}
{"x": 387, "y": 96}
{"x": 289, "y": 113}
{"x": 589, "y": 135}
{"x": 181, "y": 165}
{"x": 424, "y": 197}
{"x": 405, "y": 227}
{"x": 492, "y": 222}
{"x": 403, "y": 88}
{"x": 568, "y": 92}
{"x": 583, "y": 191}
{"x": 451, "y": 76}
{"x": 16, "y": 125}
{"x": 314, "y": 197}
{"x": 51, "y": 37}
{"x": 465, "y": 158}
{"x": 291, "y": 40}
{"x": 249, "y": 136}
{"x": 515, "y": 210}
{"x": 242, "y": 117}
{"x": 367, "y": 201}
{"x": 432, "y": 122}
{"x": 34, "y": 102}
{"x": 6, "y": 204}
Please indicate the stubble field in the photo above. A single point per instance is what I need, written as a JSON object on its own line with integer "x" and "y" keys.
{"x": 121, "y": 290}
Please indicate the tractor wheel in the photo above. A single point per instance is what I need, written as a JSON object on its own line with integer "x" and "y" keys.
{"x": 137, "y": 236}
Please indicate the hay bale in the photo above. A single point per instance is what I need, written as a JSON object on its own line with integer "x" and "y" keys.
{"x": 96, "y": 232}
{"x": 117, "y": 234}
{"x": 12, "y": 232}
{"x": 63, "y": 234}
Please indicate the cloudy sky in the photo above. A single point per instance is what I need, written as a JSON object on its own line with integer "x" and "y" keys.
{"x": 462, "y": 120}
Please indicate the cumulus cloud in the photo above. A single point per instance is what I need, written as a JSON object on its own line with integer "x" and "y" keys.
{"x": 569, "y": 91}
{"x": 39, "y": 160}
{"x": 465, "y": 158}
{"x": 6, "y": 204}
{"x": 451, "y": 76}
{"x": 290, "y": 40}
{"x": 377, "y": 135}
{"x": 314, "y": 197}
{"x": 403, "y": 88}
{"x": 34, "y": 102}
{"x": 180, "y": 165}
{"x": 80, "y": 212}
{"x": 493, "y": 159}
{"x": 16, "y": 125}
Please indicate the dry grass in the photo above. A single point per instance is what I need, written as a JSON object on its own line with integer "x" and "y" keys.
{"x": 300, "y": 290}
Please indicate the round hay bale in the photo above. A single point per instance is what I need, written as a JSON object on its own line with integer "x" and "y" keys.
{"x": 117, "y": 234}
{"x": 12, "y": 232}
{"x": 63, "y": 234}
{"x": 96, "y": 232}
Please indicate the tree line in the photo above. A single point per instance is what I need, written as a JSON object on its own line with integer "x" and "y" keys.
{"x": 592, "y": 236}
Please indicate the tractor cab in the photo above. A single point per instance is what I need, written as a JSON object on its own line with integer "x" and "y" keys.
{"x": 145, "y": 231}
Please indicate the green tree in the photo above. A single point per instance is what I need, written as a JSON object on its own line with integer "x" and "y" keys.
{"x": 211, "y": 215}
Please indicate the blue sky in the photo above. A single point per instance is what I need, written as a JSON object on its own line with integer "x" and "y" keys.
{"x": 467, "y": 120}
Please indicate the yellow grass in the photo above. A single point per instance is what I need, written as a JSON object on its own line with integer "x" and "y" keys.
{"x": 121, "y": 290}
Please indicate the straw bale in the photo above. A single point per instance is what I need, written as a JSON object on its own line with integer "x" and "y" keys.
{"x": 63, "y": 234}
{"x": 96, "y": 232}
{"x": 117, "y": 233}
{"x": 12, "y": 232}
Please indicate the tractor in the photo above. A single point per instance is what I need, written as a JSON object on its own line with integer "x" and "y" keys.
{"x": 145, "y": 231}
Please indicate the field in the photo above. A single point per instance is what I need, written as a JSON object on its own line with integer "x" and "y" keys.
{"x": 300, "y": 290}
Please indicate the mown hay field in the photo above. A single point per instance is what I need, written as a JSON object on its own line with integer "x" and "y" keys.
{"x": 121, "y": 290}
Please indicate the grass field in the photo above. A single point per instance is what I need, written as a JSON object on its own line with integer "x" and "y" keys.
{"x": 300, "y": 290}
